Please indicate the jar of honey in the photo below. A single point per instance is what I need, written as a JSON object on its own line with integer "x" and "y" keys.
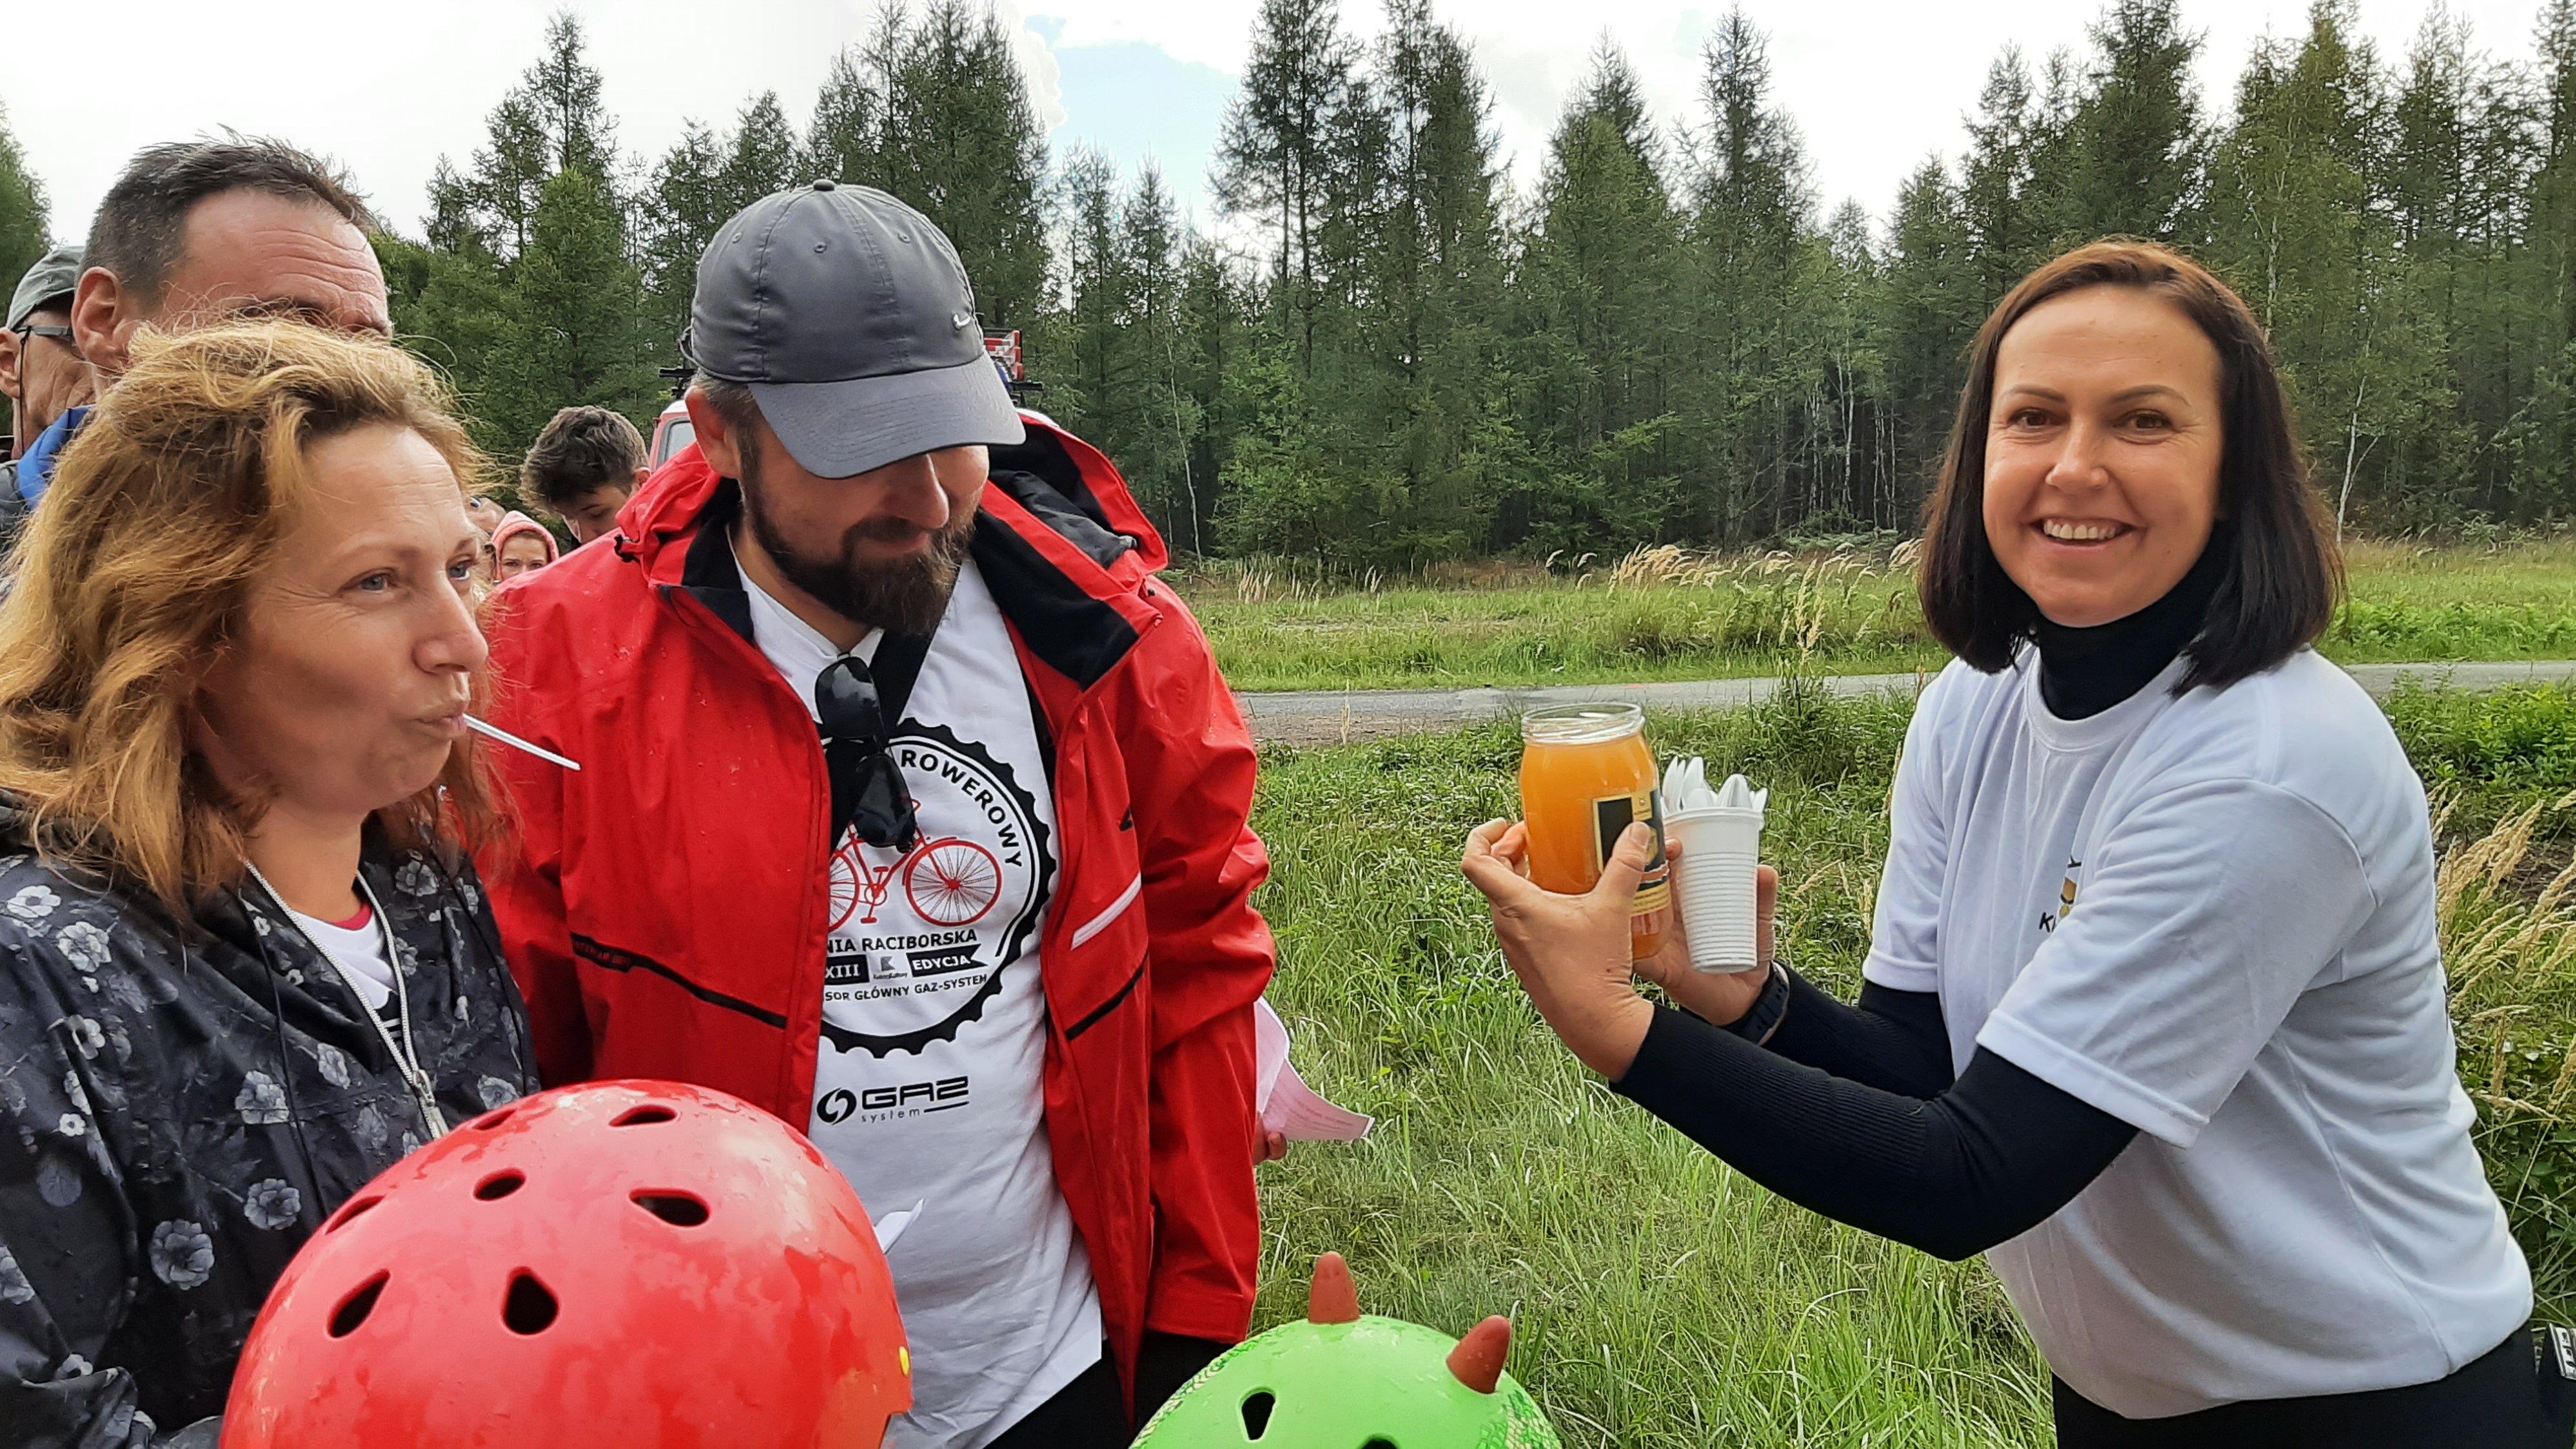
{"x": 1586, "y": 774}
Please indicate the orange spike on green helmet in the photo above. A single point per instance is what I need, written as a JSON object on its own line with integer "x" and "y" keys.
{"x": 1341, "y": 1380}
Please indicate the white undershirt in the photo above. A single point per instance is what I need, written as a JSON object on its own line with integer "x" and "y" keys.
{"x": 2213, "y": 918}
{"x": 358, "y": 952}
{"x": 933, "y": 1094}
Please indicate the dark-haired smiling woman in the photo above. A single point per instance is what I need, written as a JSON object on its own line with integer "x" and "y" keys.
{"x": 2204, "y": 1120}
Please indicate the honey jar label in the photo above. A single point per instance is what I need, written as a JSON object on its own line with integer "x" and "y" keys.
{"x": 1612, "y": 814}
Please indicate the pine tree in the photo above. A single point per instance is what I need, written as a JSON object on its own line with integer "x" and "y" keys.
{"x": 1748, "y": 235}
{"x": 1213, "y": 344}
{"x": 704, "y": 179}
{"x": 2553, "y": 195}
{"x": 1596, "y": 289}
{"x": 451, "y": 304}
{"x": 1435, "y": 269}
{"x": 1847, "y": 483}
{"x": 1168, "y": 417}
{"x": 529, "y": 290}
{"x": 2295, "y": 225}
{"x": 2429, "y": 194}
{"x": 2135, "y": 136}
{"x": 562, "y": 91}
{"x": 2287, "y": 188}
{"x": 2455, "y": 167}
{"x": 846, "y": 141}
{"x": 688, "y": 201}
{"x": 1936, "y": 294}
{"x": 1089, "y": 386}
{"x": 764, "y": 156}
{"x": 1274, "y": 156}
{"x": 2539, "y": 440}
{"x": 552, "y": 121}
{"x": 2056, "y": 163}
{"x": 576, "y": 303}
{"x": 961, "y": 143}
{"x": 2004, "y": 217}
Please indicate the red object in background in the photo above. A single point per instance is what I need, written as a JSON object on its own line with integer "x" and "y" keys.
{"x": 1003, "y": 346}
{"x": 619, "y": 1263}
{"x": 672, "y": 431}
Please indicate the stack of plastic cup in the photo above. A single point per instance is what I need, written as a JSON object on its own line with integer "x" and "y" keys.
{"x": 1720, "y": 835}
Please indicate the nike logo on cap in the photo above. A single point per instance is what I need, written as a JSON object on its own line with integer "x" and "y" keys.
{"x": 962, "y": 321}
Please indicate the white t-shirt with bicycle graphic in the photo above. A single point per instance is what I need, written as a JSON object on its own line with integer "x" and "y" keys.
{"x": 927, "y": 1082}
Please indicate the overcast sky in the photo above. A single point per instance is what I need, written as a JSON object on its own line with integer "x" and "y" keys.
{"x": 1873, "y": 84}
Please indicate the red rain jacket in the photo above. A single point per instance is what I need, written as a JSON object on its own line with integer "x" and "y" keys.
{"x": 665, "y": 908}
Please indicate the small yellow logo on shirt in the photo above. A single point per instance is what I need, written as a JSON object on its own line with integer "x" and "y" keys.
{"x": 2065, "y": 898}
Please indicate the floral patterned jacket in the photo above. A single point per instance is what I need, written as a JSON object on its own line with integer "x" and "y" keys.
{"x": 180, "y": 1110}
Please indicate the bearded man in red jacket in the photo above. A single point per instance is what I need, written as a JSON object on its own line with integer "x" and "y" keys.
{"x": 911, "y": 807}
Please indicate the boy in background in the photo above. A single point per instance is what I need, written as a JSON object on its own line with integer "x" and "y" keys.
{"x": 584, "y": 466}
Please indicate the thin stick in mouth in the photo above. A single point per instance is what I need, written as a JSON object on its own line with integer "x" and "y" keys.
{"x": 516, "y": 743}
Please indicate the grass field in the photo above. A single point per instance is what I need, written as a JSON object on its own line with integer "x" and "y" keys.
{"x": 1663, "y": 614}
{"x": 1661, "y": 1300}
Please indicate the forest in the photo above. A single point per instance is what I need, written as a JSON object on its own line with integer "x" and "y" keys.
{"x": 1388, "y": 356}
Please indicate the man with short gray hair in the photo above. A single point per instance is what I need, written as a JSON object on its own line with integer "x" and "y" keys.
{"x": 201, "y": 231}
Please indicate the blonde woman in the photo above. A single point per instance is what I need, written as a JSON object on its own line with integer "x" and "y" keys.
{"x": 244, "y": 963}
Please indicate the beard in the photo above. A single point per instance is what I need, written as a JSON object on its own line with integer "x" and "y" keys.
{"x": 901, "y": 596}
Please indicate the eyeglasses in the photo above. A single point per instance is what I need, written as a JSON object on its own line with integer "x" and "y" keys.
{"x": 62, "y": 335}
{"x": 868, "y": 792}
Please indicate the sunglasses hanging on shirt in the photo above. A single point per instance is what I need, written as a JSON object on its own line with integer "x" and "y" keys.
{"x": 857, "y": 709}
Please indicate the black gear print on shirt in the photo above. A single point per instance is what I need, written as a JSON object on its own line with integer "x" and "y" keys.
{"x": 914, "y": 1041}
{"x": 972, "y": 1009}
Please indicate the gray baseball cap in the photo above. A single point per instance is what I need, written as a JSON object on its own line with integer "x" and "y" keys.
{"x": 49, "y": 282}
{"x": 850, "y": 318}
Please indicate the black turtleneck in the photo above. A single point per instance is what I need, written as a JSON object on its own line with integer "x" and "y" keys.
{"x": 2083, "y": 672}
{"x": 1851, "y": 1109}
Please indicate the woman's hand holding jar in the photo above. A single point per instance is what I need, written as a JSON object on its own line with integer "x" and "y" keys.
{"x": 1572, "y": 952}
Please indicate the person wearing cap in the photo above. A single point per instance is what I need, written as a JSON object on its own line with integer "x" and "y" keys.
{"x": 40, "y": 369}
{"x": 198, "y": 232}
{"x": 911, "y": 807}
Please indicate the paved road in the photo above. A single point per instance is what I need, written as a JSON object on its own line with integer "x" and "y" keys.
{"x": 1330, "y": 717}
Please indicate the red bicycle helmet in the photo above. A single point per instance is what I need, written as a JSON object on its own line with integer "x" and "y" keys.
{"x": 628, "y": 1263}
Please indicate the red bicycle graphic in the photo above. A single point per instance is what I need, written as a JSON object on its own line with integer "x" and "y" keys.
{"x": 952, "y": 882}
{"x": 949, "y": 882}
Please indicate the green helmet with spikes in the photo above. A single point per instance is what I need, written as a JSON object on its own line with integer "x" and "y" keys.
{"x": 1343, "y": 1381}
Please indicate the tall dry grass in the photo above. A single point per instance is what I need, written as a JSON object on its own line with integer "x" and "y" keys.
{"x": 2510, "y": 949}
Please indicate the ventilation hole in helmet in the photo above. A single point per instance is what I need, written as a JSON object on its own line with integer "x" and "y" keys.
{"x": 1380, "y": 1442}
{"x": 529, "y": 1308}
{"x": 1256, "y": 1413}
{"x": 353, "y": 1310}
{"x": 642, "y": 1116}
{"x": 350, "y": 1213}
{"x": 490, "y": 1120}
{"x": 678, "y": 1209}
{"x": 500, "y": 1185}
